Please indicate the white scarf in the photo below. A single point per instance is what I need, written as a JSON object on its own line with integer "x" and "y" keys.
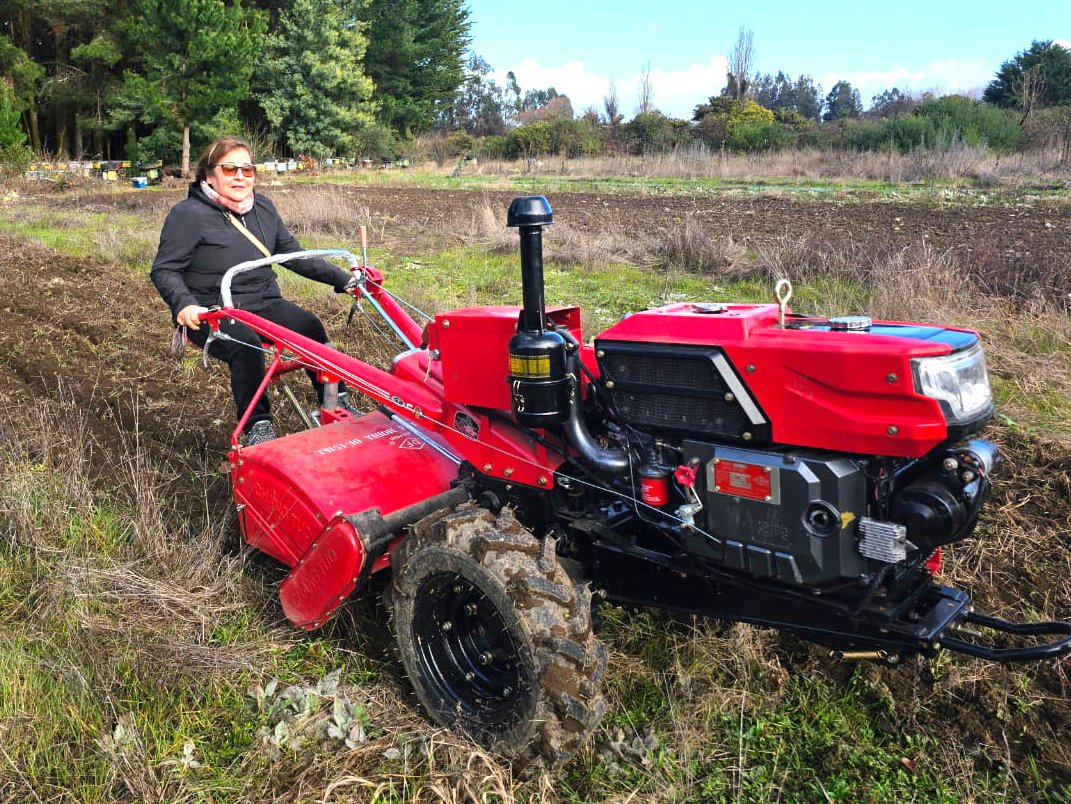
{"x": 241, "y": 207}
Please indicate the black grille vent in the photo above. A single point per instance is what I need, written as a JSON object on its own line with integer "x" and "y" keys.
{"x": 695, "y": 373}
{"x": 684, "y": 413}
{"x": 678, "y": 388}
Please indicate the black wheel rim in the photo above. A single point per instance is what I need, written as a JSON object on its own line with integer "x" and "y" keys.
{"x": 469, "y": 653}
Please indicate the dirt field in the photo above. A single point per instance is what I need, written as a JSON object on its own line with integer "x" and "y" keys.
{"x": 98, "y": 333}
{"x": 1020, "y": 240}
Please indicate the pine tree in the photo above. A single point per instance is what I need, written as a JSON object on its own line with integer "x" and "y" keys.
{"x": 195, "y": 59}
{"x": 843, "y": 101}
{"x": 13, "y": 151}
{"x": 1036, "y": 78}
{"x": 415, "y": 57}
{"x": 311, "y": 79}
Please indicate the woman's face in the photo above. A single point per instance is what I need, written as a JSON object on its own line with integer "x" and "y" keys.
{"x": 233, "y": 175}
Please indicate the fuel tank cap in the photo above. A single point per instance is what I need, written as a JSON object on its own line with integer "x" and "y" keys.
{"x": 709, "y": 307}
{"x": 850, "y": 323}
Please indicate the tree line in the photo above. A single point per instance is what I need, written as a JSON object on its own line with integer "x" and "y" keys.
{"x": 1028, "y": 103}
{"x": 140, "y": 79}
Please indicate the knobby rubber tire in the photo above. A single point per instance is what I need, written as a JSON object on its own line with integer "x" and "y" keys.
{"x": 495, "y": 637}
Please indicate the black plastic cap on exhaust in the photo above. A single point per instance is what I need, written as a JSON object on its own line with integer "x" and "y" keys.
{"x": 529, "y": 210}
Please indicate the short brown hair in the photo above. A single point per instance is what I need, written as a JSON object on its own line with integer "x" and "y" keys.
{"x": 214, "y": 151}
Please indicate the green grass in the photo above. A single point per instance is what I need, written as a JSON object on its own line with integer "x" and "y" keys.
{"x": 95, "y": 701}
{"x": 116, "y": 236}
{"x": 97, "y": 704}
{"x": 722, "y": 729}
{"x": 550, "y": 180}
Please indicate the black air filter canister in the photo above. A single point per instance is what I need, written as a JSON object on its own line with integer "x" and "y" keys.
{"x": 539, "y": 387}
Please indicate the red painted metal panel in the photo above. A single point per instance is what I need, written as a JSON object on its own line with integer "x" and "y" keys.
{"x": 324, "y": 577}
{"x": 289, "y": 488}
{"x": 828, "y": 390}
{"x": 473, "y": 344}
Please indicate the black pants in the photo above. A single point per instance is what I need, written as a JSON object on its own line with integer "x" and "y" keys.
{"x": 247, "y": 363}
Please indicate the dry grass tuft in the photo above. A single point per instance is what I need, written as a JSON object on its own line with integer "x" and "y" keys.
{"x": 324, "y": 210}
{"x": 432, "y": 766}
{"x": 695, "y": 249}
{"x": 957, "y": 162}
{"x": 128, "y": 580}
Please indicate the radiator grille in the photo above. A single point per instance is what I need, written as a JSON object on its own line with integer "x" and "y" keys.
{"x": 681, "y": 413}
{"x": 673, "y": 372}
{"x": 674, "y": 387}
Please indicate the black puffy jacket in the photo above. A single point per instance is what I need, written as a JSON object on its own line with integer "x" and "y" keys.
{"x": 198, "y": 244}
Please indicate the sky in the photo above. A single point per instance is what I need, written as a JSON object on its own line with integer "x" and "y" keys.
{"x": 580, "y": 46}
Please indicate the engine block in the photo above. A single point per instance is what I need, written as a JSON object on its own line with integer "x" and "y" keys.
{"x": 791, "y": 515}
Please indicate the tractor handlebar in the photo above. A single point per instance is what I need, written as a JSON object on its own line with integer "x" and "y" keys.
{"x": 234, "y": 270}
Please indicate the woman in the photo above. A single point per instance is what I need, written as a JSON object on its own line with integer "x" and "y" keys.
{"x": 220, "y": 224}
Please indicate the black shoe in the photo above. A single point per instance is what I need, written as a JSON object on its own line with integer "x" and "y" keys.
{"x": 260, "y": 432}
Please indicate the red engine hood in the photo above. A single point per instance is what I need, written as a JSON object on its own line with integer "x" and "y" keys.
{"x": 844, "y": 391}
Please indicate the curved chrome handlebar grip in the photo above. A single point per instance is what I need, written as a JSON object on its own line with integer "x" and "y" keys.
{"x": 234, "y": 270}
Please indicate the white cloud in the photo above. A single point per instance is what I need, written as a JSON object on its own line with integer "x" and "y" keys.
{"x": 943, "y": 76}
{"x": 675, "y": 92}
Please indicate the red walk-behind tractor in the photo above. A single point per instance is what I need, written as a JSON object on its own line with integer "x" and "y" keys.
{"x": 730, "y": 460}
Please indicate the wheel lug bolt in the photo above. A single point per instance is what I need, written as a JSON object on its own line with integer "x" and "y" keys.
{"x": 457, "y": 589}
{"x": 470, "y": 608}
{"x": 470, "y": 676}
{"x": 446, "y": 626}
{"x": 486, "y": 658}
{"x": 507, "y": 691}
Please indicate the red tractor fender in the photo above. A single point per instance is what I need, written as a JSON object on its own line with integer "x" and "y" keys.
{"x": 299, "y": 498}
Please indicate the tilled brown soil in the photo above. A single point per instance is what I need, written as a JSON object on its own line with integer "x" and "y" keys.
{"x": 96, "y": 333}
{"x": 1019, "y": 239}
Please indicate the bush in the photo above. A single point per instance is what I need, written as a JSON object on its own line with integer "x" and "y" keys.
{"x": 754, "y": 136}
{"x": 497, "y": 146}
{"x": 1049, "y": 130}
{"x": 574, "y": 137}
{"x": 460, "y": 143}
{"x": 900, "y": 134}
{"x": 532, "y": 139}
{"x": 938, "y": 124}
{"x": 1046, "y": 127}
{"x": 956, "y": 117}
{"x": 14, "y": 153}
{"x": 373, "y": 139}
{"x": 652, "y": 132}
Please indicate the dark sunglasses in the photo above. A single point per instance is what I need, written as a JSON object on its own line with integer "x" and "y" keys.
{"x": 229, "y": 169}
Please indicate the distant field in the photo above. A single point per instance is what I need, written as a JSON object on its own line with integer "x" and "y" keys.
{"x": 144, "y": 655}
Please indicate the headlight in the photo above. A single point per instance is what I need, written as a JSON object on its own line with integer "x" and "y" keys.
{"x": 957, "y": 381}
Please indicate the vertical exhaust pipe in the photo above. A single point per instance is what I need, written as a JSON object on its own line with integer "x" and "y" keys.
{"x": 539, "y": 383}
{"x": 529, "y": 214}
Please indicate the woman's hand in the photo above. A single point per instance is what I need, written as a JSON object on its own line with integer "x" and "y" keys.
{"x": 190, "y": 316}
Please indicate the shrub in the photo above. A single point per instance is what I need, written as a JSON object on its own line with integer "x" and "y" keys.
{"x": 1046, "y": 127}
{"x": 975, "y": 123}
{"x": 460, "y": 143}
{"x": 14, "y": 153}
{"x": 754, "y": 136}
{"x": 533, "y": 139}
{"x": 574, "y": 137}
{"x": 497, "y": 146}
